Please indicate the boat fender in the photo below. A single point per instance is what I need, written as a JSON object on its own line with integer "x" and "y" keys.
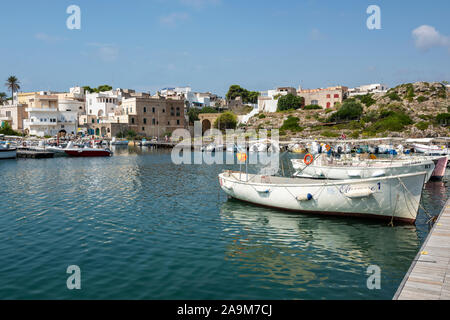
{"x": 305, "y": 197}
{"x": 378, "y": 173}
{"x": 359, "y": 193}
{"x": 262, "y": 190}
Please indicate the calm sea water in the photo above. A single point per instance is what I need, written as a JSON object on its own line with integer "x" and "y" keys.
{"x": 140, "y": 227}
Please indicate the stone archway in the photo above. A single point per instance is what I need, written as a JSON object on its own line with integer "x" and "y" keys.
{"x": 206, "y": 125}
{"x": 207, "y": 120}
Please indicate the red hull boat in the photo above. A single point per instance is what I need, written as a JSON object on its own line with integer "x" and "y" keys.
{"x": 88, "y": 152}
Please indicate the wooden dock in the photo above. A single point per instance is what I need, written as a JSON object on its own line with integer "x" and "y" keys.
{"x": 428, "y": 278}
{"x": 34, "y": 154}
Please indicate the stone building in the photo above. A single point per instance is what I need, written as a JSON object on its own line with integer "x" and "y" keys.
{"x": 326, "y": 98}
{"x": 13, "y": 115}
{"x": 146, "y": 115}
{"x": 150, "y": 116}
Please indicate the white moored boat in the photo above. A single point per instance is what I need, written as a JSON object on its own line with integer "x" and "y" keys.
{"x": 6, "y": 152}
{"x": 322, "y": 168}
{"x": 392, "y": 198}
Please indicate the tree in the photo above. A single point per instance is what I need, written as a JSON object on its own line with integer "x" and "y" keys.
{"x": 247, "y": 96}
{"x": 6, "y": 129}
{"x": 226, "y": 120}
{"x": 2, "y": 98}
{"x": 208, "y": 110}
{"x": 13, "y": 84}
{"x": 350, "y": 110}
{"x": 103, "y": 88}
{"x": 193, "y": 115}
{"x": 290, "y": 101}
{"x": 99, "y": 89}
{"x": 88, "y": 89}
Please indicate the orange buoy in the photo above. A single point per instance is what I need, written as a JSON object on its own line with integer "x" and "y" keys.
{"x": 308, "y": 159}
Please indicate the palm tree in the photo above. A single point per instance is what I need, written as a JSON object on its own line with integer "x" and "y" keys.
{"x": 2, "y": 98}
{"x": 13, "y": 84}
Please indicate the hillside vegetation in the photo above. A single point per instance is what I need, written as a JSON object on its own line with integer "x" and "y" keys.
{"x": 418, "y": 110}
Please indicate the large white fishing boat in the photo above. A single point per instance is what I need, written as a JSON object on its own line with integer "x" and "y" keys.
{"x": 392, "y": 198}
{"x": 329, "y": 168}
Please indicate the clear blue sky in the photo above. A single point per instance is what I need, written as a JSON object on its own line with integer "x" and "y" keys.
{"x": 211, "y": 44}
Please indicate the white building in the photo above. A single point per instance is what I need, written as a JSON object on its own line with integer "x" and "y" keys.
{"x": 268, "y": 100}
{"x": 369, "y": 88}
{"x": 103, "y": 104}
{"x": 195, "y": 99}
{"x": 45, "y": 118}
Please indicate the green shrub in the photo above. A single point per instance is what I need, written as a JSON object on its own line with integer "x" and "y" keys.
{"x": 226, "y": 120}
{"x": 6, "y": 129}
{"x": 350, "y": 110}
{"x": 422, "y": 125}
{"x": 291, "y": 124}
{"x": 367, "y": 99}
{"x": 394, "y": 96}
{"x": 422, "y": 99}
{"x": 443, "y": 118}
{"x": 410, "y": 94}
{"x": 312, "y": 107}
{"x": 262, "y": 116}
{"x": 290, "y": 101}
{"x": 390, "y": 120}
{"x": 329, "y": 134}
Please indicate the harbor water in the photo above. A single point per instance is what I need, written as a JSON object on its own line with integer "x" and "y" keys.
{"x": 141, "y": 227}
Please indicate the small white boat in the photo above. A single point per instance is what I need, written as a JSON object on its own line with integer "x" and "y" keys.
{"x": 430, "y": 149}
{"x": 264, "y": 146}
{"x": 324, "y": 168}
{"x": 115, "y": 142}
{"x": 6, "y": 152}
{"x": 214, "y": 148}
{"x": 391, "y": 198}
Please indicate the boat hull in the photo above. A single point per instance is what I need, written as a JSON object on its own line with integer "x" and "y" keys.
{"x": 440, "y": 167}
{"x": 8, "y": 153}
{"x": 365, "y": 171}
{"x": 381, "y": 198}
{"x": 88, "y": 153}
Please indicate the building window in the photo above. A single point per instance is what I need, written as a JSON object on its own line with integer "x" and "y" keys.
{"x": 153, "y": 110}
{"x": 164, "y": 110}
{"x": 145, "y": 109}
{"x": 132, "y": 120}
{"x": 328, "y": 105}
{"x": 178, "y": 122}
{"x": 153, "y": 121}
{"x": 328, "y": 96}
{"x": 336, "y": 96}
{"x": 314, "y": 102}
{"x": 93, "y": 120}
{"x": 143, "y": 129}
{"x": 145, "y": 121}
{"x": 168, "y": 123}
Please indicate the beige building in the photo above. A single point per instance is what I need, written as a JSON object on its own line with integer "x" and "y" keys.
{"x": 146, "y": 115}
{"x": 151, "y": 116}
{"x": 326, "y": 98}
{"x": 14, "y": 115}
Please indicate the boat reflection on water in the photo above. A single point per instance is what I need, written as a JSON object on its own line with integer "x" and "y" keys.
{"x": 328, "y": 254}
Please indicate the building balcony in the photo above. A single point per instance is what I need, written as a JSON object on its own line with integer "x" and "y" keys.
{"x": 41, "y": 109}
{"x": 39, "y": 123}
